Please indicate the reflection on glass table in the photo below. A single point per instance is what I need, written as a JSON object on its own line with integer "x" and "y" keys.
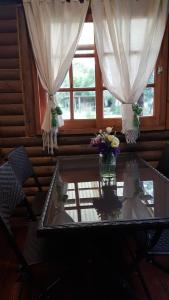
{"x": 135, "y": 193}
{"x": 104, "y": 200}
{"x": 138, "y": 195}
{"x": 108, "y": 205}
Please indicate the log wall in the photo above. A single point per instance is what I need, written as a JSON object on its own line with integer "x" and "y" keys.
{"x": 16, "y": 118}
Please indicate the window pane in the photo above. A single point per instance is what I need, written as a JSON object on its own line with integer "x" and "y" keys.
{"x": 73, "y": 214}
{"x": 151, "y": 78}
{"x": 83, "y": 72}
{"x": 148, "y": 101}
{"x": 148, "y": 188}
{"x": 138, "y": 28}
{"x": 66, "y": 82}
{"x": 88, "y": 195}
{"x": 84, "y": 105}
{"x": 63, "y": 99}
{"x": 87, "y": 35}
{"x": 88, "y": 184}
{"x": 89, "y": 214}
{"x": 112, "y": 107}
{"x": 87, "y": 51}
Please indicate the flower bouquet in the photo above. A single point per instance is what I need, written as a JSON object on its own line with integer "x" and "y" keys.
{"x": 108, "y": 145}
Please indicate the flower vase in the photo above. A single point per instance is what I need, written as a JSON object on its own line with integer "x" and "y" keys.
{"x": 107, "y": 164}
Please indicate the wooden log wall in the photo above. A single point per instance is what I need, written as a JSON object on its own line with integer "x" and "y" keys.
{"x": 14, "y": 118}
{"x": 11, "y": 93}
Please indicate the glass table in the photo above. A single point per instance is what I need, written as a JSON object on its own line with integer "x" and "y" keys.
{"x": 137, "y": 196}
{"x": 91, "y": 217}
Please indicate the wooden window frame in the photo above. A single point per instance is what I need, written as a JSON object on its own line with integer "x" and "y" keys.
{"x": 159, "y": 121}
{"x": 155, "y": 122}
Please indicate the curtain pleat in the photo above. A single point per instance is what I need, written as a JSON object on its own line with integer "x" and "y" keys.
{"x": 54, "y": 27}
{"x": 128, "y": 37}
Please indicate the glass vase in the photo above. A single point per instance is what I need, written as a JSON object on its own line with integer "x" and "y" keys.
{"x": 107, "y": 165}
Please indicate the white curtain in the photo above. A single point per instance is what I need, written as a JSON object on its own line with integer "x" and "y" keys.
{"x": 128, "y": 38}
{"x": 54, "y": 28}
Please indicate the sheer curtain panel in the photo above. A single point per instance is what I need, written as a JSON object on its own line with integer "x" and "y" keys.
{"x": 128, "y": 38}
{"x": 54, "y": 27}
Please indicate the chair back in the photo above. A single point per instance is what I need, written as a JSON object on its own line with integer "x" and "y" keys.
{"x": 22, "y": 165}
{"x": 11, "y": 195}
{"x": 163, "y": 164}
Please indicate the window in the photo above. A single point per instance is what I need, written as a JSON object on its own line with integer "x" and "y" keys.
{"x": 88, "y": 106}
{"x": 77, "y": 95}
{"x": 78, "y": 91}
{"x": 86, "y": 103}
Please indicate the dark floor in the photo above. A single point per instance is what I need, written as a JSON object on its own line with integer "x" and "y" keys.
{"x": 90, "y": 279}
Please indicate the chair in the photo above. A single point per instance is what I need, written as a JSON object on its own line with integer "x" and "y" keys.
{"x": 150, "y": 246}
{"x": 35, "y": 252}
{"x": 163, "y": 164}
{"x": 153, "y": 245}
{"x": 23, "y": 169}
{"x": 157, "y": 241}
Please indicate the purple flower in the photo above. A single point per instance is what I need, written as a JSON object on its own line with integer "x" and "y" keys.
{"x": 107, "y": 143}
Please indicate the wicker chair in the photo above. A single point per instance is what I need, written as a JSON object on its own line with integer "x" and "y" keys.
{"x": 23, "y": 169}
{"x": 35, "y": 253}
{"x": 161, "y": 246}
{"x": 155, "y": 243}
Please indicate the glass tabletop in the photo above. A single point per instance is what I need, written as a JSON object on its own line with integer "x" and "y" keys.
{"x": 80, "y": 197}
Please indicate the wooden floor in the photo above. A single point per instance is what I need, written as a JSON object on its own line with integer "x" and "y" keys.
{"x": 87, "y": 285}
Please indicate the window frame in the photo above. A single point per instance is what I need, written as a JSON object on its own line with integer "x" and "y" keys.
{"x": 148, "y": 123}
{"x": 83, "y": 122}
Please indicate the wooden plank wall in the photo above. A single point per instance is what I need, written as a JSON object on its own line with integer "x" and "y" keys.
{"x": 13, "y": 114}
{"x": 11, "y": 93}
